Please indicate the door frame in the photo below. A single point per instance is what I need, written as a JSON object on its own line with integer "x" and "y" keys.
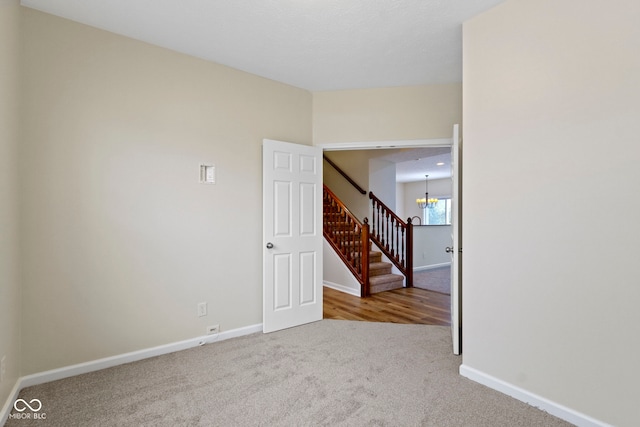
{"x": 415, "y": 143}
{"x": 373, "y": 145}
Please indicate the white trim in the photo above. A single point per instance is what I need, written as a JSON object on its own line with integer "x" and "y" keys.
{"x": 6, "y": 409}
{"x": 432, "y": 266}
{"x": 342, "y": 288}
{"x": 553, "y": 408}
{"x": 336, "y": 146}
{"x": 108, "y": 362}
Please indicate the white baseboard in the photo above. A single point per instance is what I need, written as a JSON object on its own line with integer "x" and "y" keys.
{"x": 432, "y": 266}
{"x": 553, "y": 408}
{"x": 108, "y": 362}
{"x": 6, "y": 409}
{"x": 342, "y": 288}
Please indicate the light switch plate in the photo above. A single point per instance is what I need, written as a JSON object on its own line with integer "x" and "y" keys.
{"x": 202, "y": 309}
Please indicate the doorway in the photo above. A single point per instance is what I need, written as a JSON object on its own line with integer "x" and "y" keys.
{"x": 356, "y": 303}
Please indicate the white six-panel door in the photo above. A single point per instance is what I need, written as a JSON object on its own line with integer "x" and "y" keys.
{"x": 292, "y": 228}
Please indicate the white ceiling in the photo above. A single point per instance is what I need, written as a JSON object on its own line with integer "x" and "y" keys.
{"x": 436, "y": 166}
{"x": 413, "y": 164}
{"x": 312, "y": 44}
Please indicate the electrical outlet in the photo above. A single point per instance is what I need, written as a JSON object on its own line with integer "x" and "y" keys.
{"x": 3, "y": 367}
{"x": 213, "y": 329}
{"x": 202, "y": 309}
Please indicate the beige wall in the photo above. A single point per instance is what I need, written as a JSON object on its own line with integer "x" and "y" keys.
{"x": 386, "y": 114}
{"x": 356, "y": 165}
{"x": 382, "y": 181}
{"x": 550, "y": 286}
{"x": 9, "y": 243}
{"x": 120, "y": 240}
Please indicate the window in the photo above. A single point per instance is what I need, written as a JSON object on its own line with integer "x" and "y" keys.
{"x": 440, "y": 214}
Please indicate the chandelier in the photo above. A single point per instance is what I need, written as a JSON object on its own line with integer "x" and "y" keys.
{"x": 426, "y": 202}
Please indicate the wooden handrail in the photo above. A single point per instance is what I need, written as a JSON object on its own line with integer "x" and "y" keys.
{"x": 393, "y": 236}
{"x": 348, "y": 237}
{"x": 344, "y": 174}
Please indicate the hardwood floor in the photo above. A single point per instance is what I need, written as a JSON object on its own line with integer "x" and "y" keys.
{"x": 406, "y": 305}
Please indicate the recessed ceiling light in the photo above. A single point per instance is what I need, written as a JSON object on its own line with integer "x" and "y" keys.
{"x": 440, "y": 164}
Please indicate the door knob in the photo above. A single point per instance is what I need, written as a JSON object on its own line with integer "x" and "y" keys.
{"x": 448, "y": 250}
{"x": 269, "y": 245}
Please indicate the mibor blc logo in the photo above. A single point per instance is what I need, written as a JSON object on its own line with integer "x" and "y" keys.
{"x": 23, "y": 407}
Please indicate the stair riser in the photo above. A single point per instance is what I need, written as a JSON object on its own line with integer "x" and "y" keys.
{"x": 386, "y": 287}
{"x": 379, "y": 272}
{"x": 379, "y": 269}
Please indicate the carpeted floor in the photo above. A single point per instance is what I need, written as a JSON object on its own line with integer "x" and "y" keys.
{"x": 328, "y": 373}
{"x": 435, "y": 279}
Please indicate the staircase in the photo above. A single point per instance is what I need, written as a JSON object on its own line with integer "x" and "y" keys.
{"x": 348, "y": 236}
{"x": 380, "y": 276}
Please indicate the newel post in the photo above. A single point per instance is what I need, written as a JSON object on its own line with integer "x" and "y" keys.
{"x": 409, "y": 251}
{"x": 365, "y": 291}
